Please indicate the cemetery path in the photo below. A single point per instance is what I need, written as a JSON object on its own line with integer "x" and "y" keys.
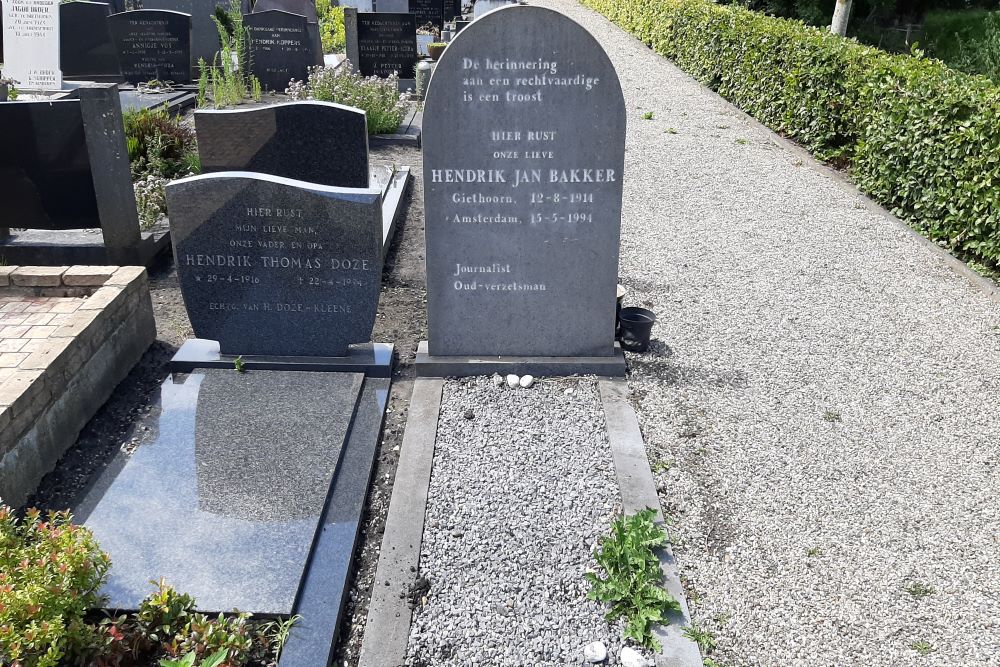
{"x": 822, "y": 409}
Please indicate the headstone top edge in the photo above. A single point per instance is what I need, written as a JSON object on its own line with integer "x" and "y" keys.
{"x": 317, "y": 103}
{"x": 278, "y": 11}
{"x": 151, "y": 11}
{"x": 361, "y": 194}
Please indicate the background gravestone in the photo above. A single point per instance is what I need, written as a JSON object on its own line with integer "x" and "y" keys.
{"x": 204, "y": 33}
{"x": 387, "y": 43}
{"x": 305, "y": 8}
{"x": 84, "y": 41}
{"x": 524, "y": 144}
{"x": 152, "y": 44}
{"x": 429, "y": 11}
{"x": 280, "y": 48}
{"x": 360, "y": 5}
{"x": 316, "y": 142}
{"x": 271, "y": 266}
{"x": 483, "y": 6}
{"x": 392, "y": 6}
{"x": 31, "y": 44}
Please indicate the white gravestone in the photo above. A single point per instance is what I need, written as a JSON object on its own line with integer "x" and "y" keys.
{"x": 31, "y": 44}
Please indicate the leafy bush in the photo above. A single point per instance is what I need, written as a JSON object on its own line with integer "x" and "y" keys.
{"x": 379, "y": 98}
{"x": 966, "y": 40}
{"x": 631, "y": 582}
{"x": 920, "y": 138}
{"x": 228, "y": 79}
{"x": 50, "y": 575}
{"x": 158, "y": 144}
{"x": 331, "y": 27}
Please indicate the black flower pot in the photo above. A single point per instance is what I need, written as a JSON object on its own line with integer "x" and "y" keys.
{"x": 636, "y": 327}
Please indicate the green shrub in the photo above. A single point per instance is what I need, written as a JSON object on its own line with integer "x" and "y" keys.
{"x": 158, "y": 144}
{"x": 966, "y": 40}
{"x": 921, "y": 139}
{"x": 331, "y": 27}
{"x": 379, "y": 98}
{"x": 50, "y": 575}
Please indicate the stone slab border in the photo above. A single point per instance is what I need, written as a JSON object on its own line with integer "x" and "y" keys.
{"x": 387, "y": 628}
{"x": 429, "y": 365}
{"x": 638, "y": 491}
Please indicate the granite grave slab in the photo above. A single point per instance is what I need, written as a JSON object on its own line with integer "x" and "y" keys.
{"x": 522, "y": 215}
{"x": 272, "y": 266}
{"x": 392, "y": 6}
{"x": 305, "y": 8}
{"x": 152, "y": 44}
{"x": 429, "y": 11}
{"x": 31, "y": 44}
{"x": 87, "y": 51}
{"x": 316, "y": 142}
{"x": 281, "y": 48}
{"x": 224, "y": 497}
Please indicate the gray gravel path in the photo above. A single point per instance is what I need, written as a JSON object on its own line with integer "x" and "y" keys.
{"x": 519, "y": 492}
{"x": 826, "y": 397}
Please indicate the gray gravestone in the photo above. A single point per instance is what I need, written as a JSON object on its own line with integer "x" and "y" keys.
{"x": 152, "y": 44}
{"x": 204, "y": 33}
{"x": 524, "y": 144}
{"x": 316, "y": 142}
{"x": 272, "y": 266}
{"x": 85, "y": 46}
{"x": 306, "y": 8}
{"x": 281, "y": 48}
{"x": 392, "y": 6}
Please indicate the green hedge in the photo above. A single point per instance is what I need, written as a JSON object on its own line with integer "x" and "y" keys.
{"x": 921, "y": 139}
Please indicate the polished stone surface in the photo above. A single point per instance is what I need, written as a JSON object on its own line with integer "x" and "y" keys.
{"x": 392, "y": 6}
{"x": 428, "y": 365}
{"x": 387, "y": 43}
{"x": 45, "y": 174}
{"x": 281, "y": 48}
{"x": 522, "y": 250}
{"x": 325, "y": 586}
{"x": 372, "y": 359}
{"x": 152, "y": 44}
{"x": 31, "y": 44}
{"x": 133, "y": 100}
{"x": 85, "y": 43}
{"x": 224, "y": 495}
{"x": 316, "y": 142}
{"x": 272, "y": 266}
{"x": 305, "y": 8}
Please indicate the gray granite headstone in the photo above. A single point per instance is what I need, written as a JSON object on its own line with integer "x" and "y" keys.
{"x": 305, "y": 8}
{"x": 316, "y": 142}
{"x": 281, "y": 48}
{"x": 85, "y": 47}
{"x": 392, "y": 6}
{"x": 152, "y": 44}
{"x": 272, "y": 266}
{"x": 483, "y": 6}
{"x": 524, "y": 145}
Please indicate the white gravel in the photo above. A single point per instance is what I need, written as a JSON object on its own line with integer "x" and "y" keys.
{"x": 518, "y": 495}
{"x": 827, "y": 397}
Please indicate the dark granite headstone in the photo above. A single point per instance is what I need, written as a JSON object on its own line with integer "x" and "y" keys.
{"x": 524, "y": 144}
{"x": 272, "y": 266}
{"x": 387, "y": 43}
{"x": 305, "y": 8}
{"x": 316, "y": 142}
{"x": 281, "y": 48}
{"x": 45, "y": 175}
{"x": 429, "y": 11}
{"x": 204, "y": 33}
{"x": 392, "y": 6}
{"x": 85, "y": 44}
{"x": 152, "y": 44}
{"x": 225, "y": 497}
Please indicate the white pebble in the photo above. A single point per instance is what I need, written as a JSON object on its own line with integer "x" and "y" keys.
{"x": 527, "y": 381}
{"x": 595, "y": 652}
{"x": 629, "y": 657}
{"x": 512, "y": 381}
{"x": 497, "y": 380}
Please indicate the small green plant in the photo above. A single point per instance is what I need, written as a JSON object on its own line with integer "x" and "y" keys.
{"x": 920, "y": 590}
{"x": 923, "y": 647}
{"x": 708, "y": 662}
{"x": 438, "y": 45}
{"x": 278, "y": 632}
{"x": 331, "y": 27}
{"x": 831, "y": 416}
{"x": 228, "y": 79}
{"x": 50, "y": 573}
{"x": 661, "y": 466}
{"x": 671, "y": 130}
{"x": 631, "y": 578}
{"x": 741, "y": 141}
{"x": 239, "y": 365}
{"x": 383, "y": 105}
{"x": 648, "y": 115}
{"x": 705, "y": 639}
{"x": 214, "y": 660}
{"x": 159, "y": 144}
{"x": 164, "y": 613}
{"x": 813, "y": 552}
{"x": 203, "y": 634}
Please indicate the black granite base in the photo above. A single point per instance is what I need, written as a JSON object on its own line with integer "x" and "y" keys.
{"x": 372, "y": 359}
{"x": 440, "y": 366}
{"x": 59, "y": 247}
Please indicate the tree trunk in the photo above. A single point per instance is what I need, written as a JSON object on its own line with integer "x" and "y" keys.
{"x": 841, "y": 14}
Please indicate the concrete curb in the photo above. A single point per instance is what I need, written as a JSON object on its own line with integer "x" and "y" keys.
{"x": 638, "y": 490}
{"x": 387, "y": 628}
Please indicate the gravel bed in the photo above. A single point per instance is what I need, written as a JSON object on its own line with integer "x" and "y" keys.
{"x": 824, "y": 404}
{"x": 523, "y": 484}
